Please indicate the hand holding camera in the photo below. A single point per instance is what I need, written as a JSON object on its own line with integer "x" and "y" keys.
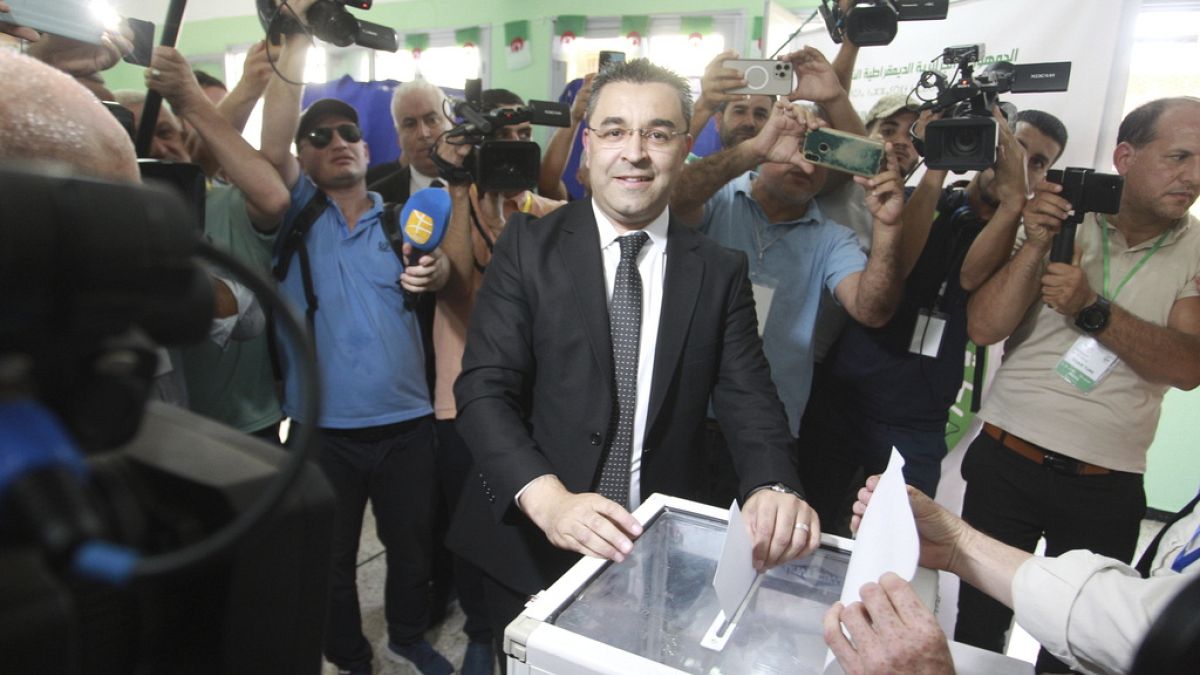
{"x": 782, "y": 138}
{"x": 1045, "y": 213}
{"x": 718, "y": 82}
{"x": 815, "y": 79}
{"x": 885, "y": 191}
{"x": 171, "y": 75}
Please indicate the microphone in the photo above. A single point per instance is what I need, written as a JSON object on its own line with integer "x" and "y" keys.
{"x": 423, "y": 222}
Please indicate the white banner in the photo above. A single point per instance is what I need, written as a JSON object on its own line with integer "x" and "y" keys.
{"x": 1095, "y": 36}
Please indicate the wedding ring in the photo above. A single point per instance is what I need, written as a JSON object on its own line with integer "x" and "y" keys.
{"x": 155, "y": 73}
{"x": 802, "y": 526}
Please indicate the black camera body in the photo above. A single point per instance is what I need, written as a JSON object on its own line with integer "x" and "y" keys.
{"x": 494, "y": 164}
{"x": 966, "y": 138}
{"x": 870, "y": 23}
{"x": 1088, "y": 191}
{"x": 329, "y": 21}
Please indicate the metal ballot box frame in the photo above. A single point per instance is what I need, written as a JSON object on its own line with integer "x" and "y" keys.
{"x": 649, "y": 613}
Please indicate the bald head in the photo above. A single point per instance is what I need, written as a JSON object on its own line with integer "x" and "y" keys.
{"x": 46, "y": 115}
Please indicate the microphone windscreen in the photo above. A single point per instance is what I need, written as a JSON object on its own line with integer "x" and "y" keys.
{"x": 424, "y": 218}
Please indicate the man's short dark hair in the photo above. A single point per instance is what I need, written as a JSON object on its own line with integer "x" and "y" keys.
{"x": 1046, "y": 123}
{"x": 642, "y": 71}
{"x": 207, "y": 80}
{"x": 1140, "y": 126}
{"x": 491, "y": 99}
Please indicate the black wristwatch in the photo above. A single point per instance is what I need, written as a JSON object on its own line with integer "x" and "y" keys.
{"x": 1093, "y": 318}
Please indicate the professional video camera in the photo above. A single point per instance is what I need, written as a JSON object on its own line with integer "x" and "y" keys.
{"x": 869, "y": 23}
{"x": 965, "y": 139}
{"x": 329, "y": 21}
{"x": 493, "y": 164}
{"x": 135, "y": 537}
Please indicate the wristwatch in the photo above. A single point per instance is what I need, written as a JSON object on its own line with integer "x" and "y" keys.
{"x": 1093, "y": 318}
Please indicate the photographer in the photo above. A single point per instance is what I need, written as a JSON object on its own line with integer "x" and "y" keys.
{"x": 893, "y": 386}
{"x": 1094, "y": 346}
{"x": 376, "y": 430}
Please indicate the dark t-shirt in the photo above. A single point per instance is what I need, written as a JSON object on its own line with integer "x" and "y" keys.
{"x": 871, "y": 370}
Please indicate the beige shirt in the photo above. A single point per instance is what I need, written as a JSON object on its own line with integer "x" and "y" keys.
{"x": 1114, "y": 424}
{"x": 451, "y": 316}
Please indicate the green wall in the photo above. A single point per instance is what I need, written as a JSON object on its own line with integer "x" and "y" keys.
{"x": 211, "y": 37}
{"x": 1174, "y": 472}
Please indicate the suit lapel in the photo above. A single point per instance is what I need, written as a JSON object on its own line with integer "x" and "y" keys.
{"x": 580, "y": 250}
{"x": 681, "y": 290}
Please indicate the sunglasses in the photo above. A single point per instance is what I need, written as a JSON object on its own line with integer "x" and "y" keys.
{"x": 323, "y": 136}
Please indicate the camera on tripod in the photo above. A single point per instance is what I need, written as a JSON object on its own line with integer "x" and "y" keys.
{"x": 329, "y": 21}
{"x": 493, "y": 164}
{"x": 965, "y": 139}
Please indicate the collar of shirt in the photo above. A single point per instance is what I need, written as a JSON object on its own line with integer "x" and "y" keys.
{"x": 743, "y": 185}
{"x": 1177, "y": 230}
{"x": 418, "y": 180}
{"x": 657, "y": 229}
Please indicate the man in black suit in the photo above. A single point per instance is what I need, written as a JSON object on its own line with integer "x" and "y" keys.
{"x": 545, "y": 398}
{"x": 418, "y": 110}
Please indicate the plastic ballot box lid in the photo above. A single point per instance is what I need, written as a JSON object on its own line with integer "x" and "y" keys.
{"x": 651, "y": 612}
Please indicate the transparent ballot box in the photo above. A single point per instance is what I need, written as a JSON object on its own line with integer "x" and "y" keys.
{"x": 651, "y": 613}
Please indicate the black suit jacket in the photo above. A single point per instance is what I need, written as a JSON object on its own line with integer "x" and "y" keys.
{"x": 392, "y": 184}
{"x": 536, "y": 391}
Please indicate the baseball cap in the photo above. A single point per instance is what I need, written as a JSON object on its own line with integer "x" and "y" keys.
{"x": 319, "y": 110}
{"x": 889, "y": 105}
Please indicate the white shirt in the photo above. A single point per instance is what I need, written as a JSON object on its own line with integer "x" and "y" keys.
{"x": 1093, "y": 612}
{"x": 418, "y": 180}
{"x": 652, "y": 266}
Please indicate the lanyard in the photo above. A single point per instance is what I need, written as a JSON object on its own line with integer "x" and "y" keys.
{"x": 1153, "y": 249}
{"x": 1188, "y": 555}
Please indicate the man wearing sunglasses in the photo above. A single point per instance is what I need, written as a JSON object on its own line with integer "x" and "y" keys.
{"x": 376, "y": 425}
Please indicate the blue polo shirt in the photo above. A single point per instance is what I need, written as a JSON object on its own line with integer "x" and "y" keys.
{"x": 369, "y": 350}
{"x": 795, "y": 258}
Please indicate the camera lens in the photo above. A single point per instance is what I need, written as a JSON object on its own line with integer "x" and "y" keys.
{"x": 964, "y": 142}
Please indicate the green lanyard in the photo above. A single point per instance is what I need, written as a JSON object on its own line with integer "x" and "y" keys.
{"x": 1153, "y": 249}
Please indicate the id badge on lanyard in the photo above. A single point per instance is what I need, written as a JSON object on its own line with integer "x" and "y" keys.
{"x": 1087, "y": 362}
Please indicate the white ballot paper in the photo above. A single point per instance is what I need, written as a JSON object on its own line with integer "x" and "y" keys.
{"x": 886, "y": 540}
{"x": 734, "y": 579}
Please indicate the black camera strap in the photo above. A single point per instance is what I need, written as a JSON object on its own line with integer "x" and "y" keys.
{"x": 295, "y": 244}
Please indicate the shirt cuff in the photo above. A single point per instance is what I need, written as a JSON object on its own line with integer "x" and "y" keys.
{"x": 1045, "y": 591}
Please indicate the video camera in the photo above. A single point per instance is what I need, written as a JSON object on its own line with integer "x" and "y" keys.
{"x": 493, "y": 164}
{"x": 1088, "y": 191}
{"x": 965, "y": 139}
{"x": 330, "y": 21}
{"x": 870, "y": 23}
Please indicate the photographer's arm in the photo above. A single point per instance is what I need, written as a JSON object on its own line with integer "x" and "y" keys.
{"x": 558, "y": 150}
{"x": 818, "y": 82}
{"x": 281, "y": 109}
{"x": 870, "y": 297}
{"x": 266, "y": 197}
{"x": 713, "y": 85}
{"x": 994, "y": 244}
{"x": 918, "y": 218}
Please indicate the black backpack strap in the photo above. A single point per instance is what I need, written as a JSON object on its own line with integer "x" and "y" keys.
{"x": 295, "y": 237}
{"x": 391, "y": 227}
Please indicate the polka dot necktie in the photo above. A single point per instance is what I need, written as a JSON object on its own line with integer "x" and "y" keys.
{"x": 625, "y": 326}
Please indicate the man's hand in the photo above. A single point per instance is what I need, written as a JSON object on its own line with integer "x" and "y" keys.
{"x": 717, "y": 81}
{"x": 1065, "y": 288}
{"x": 1011, "y": 184}
{"x": 257, "y": 70}
{"x": 941, "y": 533}
{"x": 579, "y": 105}
{"x": 1045, "y": 213}
{"x": 782, "y": 527}
{"x": 815, "y": 79}
{"x": 20, "y": 32}
{"x": 586, "y": 523}
{"x": 82, "y": 59}
{"x": 429, "y": 274}
{"x": 885, "y": 190}
{"x": 171, "y": 75}
{"x": 782, "y": 137}
{"x": 891, "y": 633}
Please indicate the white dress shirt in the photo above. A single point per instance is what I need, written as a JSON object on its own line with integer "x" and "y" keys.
{"x": 652, "y": 266}
{"x": 418, "y": 180}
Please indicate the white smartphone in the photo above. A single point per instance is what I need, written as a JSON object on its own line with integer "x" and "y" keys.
{"x": 763, "y": 76}
{"x": 69, "y": 18}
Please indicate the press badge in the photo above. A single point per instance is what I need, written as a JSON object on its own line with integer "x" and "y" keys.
{"x": 1086, "y": 363}
{"x": 927, "y": 333}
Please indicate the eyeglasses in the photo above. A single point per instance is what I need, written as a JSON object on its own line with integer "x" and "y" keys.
{"x": 323, "y": 136}
{"x": 615, "y": 137}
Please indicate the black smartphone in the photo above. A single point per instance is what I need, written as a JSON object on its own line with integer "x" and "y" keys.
{"x": 607, "y": 58}
{"x": 143, "y": 42}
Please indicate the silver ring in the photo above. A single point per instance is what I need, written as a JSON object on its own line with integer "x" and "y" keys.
{"x": 155, "y": 73}
{"x": 802, "y": 526}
